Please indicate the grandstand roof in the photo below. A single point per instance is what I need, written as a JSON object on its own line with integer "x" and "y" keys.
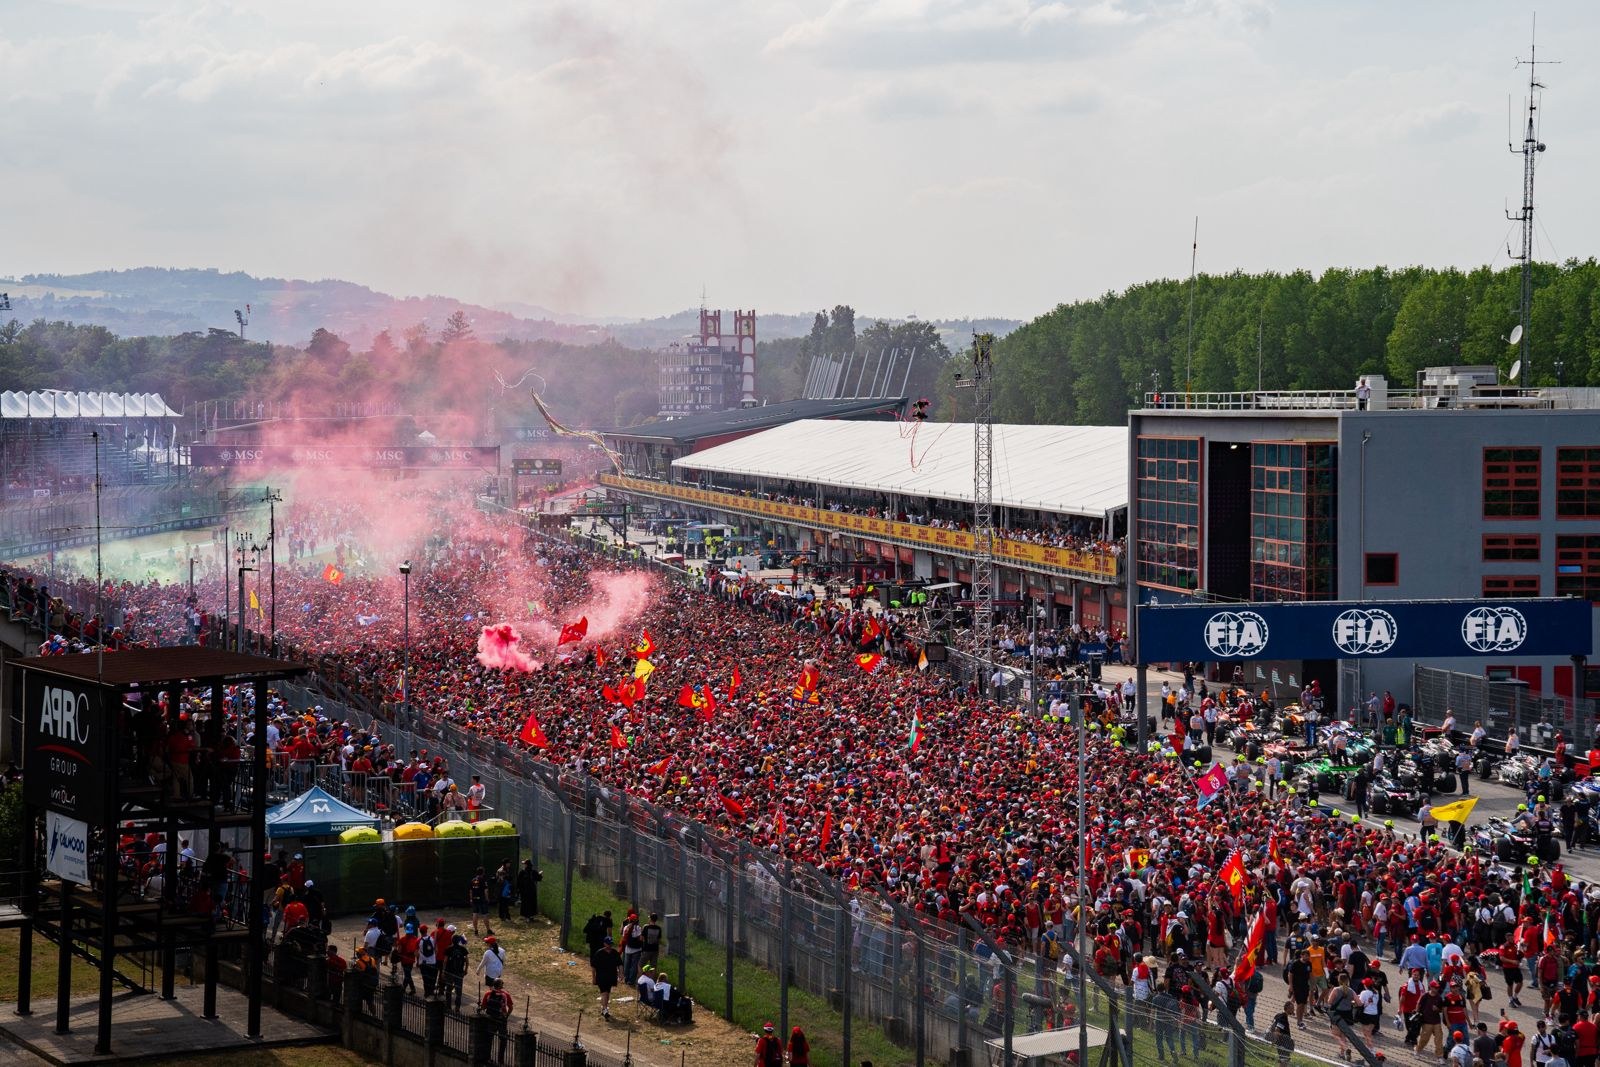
{"x": 64, "y": 404}
{"x": 1073, "y": 470}
{"x": 744, "y": 420}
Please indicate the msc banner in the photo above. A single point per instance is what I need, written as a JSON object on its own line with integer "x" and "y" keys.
{"x": 1418, "y": 629}
{"x": 64, "y": 749}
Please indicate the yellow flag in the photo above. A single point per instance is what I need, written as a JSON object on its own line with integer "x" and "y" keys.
{"x": 643, "y": 669}
{"x": 1455, "y": 811}
{"x": 255, "y": 604}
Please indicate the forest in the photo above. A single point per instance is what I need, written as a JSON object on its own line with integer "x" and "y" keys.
{"x": 1086, "y": 362}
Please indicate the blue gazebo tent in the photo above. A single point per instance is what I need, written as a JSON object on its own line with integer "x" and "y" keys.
{"x": 316, "y": 813}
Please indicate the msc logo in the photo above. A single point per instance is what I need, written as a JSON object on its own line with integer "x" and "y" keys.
{"x": 1236, "y": 634}
{"x": 65, "y": 715}
{"x": 1365, "y": 632}
{"x": 1494, "y": 629}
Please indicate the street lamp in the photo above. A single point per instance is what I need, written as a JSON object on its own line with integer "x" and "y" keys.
{"x": 405, "y": 666}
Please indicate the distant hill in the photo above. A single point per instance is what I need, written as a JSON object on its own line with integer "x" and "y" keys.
{"x": 156, "y": 301}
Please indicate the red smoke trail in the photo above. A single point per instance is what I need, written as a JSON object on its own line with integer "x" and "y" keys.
{"x": 499, "y": 646}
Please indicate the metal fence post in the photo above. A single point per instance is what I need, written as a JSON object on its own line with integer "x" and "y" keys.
{"x": 728, "y": 910}
{"x": 570, "y": 858}
{"x": 785, "y": 910}
{"x": 683, "y": 911}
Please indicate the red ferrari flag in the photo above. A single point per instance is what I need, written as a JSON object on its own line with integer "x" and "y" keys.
{"x": 573, "y": 631}
{"x": 688, "y": 698}
{"x": 734, "y": 683}
{"x": 332, "y": 574}
{"x": 1272, "y": 852}
{"x": 779, "y": 826}
{"x": 645, "y": 646}
{"x": 708, "y": 704}
{"x": 659, "y": 767}
{"x": 827, "y": 829}
{"x": 733, "y": 807}
{"x": 869, "y": 662}
{"x": 638, "y": 689}
{"x": 1233, "y": 875}
{"x": 608, "y": 693}
{"x": 532, "y": 736}
{"x": 617, "y": 740}
{"x": 871, "y": 630}
{"x": 806, "y": 688}
{"x": 600, "y": 657}
{"x": 1246, "y": 965}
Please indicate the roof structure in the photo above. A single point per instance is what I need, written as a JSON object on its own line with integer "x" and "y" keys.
{"x": 164, "y": 666}
{"x": 747, "y": 420}
{"x": 1072, "y": 470}
{"x": 64, "y": 404}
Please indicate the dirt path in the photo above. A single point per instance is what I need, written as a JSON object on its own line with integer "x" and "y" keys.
{"x": 552, "y": 986}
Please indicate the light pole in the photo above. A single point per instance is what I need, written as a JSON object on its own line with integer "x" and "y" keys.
{"x": 405, "y": 664}
{"x": 272, "y": 497}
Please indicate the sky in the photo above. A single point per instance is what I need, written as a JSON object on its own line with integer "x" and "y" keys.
{"x": 932, "y": 157}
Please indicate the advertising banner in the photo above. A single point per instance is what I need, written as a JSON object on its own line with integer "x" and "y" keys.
{"x": 66, "y": 848}
{"x": 64, "y": 747}
{"x": 1388, "y": 629}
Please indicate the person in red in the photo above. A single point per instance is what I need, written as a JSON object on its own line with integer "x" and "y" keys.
{"x": 336, "y": 966}
{"x": 799, "y": 1049}
{"x": 769, "y": 1050}
{"x": 1586, "y": 1036}
{"x": 406, "y": 947}
{"x": 295, "y": 914}
{"x": 1511, "y": 1044}
{"x": 180, "y": 743}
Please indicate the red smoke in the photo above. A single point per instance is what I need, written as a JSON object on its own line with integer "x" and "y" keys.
{"x": 500, "y": 646}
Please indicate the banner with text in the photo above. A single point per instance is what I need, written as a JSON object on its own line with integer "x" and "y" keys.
{"x": 437, "y": 457}
{"x": 1418, "y": 629}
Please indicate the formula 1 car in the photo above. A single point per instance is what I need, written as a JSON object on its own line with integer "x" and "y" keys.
{"x": 1517, "y": 770}
{"x": 1323, "y": 776}
{"x": 1395, "y": 795}
{"x": 1511, "y": 843}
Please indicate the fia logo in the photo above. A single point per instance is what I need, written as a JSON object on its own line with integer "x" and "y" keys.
{"x": 1494, "y": 629}
{"x": 1236, "y": 634}
{"x": 1365, "y": 631}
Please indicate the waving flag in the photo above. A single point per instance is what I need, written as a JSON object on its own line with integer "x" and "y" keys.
{"x": 660, "y": 766}
{"x": 914, "y": 741}
{"x": 1136, "y": 859}
{"x": 643, "y": 669}
{"x": 779, "y": 826}
{"x": 869, "y": 662}
{"x": 708, "y": 704}
{"x": 806, "y": 688}
{"x": 827, "y": 829}
{"x": 609, "y": 694}
{"x": 688, "y": 698}
{"x": 645, "y": 646}
{"x": 600, "y": 657}
{"x": 1455, "y": 811}
{"x": 1211, "y": 784}
{"x": 1233, "y": 875}
{"x": 922, "y": 660}
{"x": 532, "y": 735}
{"x": 871, "y": 630}
{"x": 573, "y": 631}
{"x": 1272, "y": 852}
{"x": 1246, "y": 965}
{"x": 332, "y": 574}
{"x": 732, "y": 806}
{"x": 734, "y": 683}
{"x": 617, "y": 740}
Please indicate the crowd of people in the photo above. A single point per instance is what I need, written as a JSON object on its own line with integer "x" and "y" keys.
{"x": 810, "y": 731}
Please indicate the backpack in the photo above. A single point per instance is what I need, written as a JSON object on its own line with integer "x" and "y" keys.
{"x": 1566, "y": 1043}
{"x": 495, "y": 1005}
{"x": 1255, "y": 984}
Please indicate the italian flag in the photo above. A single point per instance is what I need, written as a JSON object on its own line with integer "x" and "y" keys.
{"x": 914, "y": 739}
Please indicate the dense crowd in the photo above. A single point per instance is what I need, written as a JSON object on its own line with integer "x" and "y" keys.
{"x": 807, "y": 727}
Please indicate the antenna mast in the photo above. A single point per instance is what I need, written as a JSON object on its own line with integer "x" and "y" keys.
{"x": 1188, "y": 344}
{"x": 1531, "y": 147}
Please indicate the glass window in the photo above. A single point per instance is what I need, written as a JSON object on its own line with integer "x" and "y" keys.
{"x": 1511, "y": 483}
{"x": 1578, "y": 483}
{"x": 1167, "y": 513}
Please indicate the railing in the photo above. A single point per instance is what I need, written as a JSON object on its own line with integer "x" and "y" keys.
{"x": 1334, "y": 400}
{"x": 1093, "y": 565}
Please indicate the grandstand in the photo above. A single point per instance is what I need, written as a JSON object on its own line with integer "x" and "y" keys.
{"x": 46, "y": 447}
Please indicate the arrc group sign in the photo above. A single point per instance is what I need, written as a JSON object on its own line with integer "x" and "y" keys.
{"x": 1411, "y": 629}
{"x": 65, "y": 750}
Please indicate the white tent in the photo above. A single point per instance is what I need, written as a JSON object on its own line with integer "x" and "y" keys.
{"x": 64, "y": 404}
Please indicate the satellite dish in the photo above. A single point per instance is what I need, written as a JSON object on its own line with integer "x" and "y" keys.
{"x": 1516, "y": 335}
{"x": 1516, "y": 369}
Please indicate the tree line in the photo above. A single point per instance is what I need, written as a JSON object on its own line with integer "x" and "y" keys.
{"x": 1087, "y": 362}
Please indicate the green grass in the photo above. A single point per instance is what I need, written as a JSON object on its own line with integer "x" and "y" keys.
{"x": 85, "y": 976}
{"x": 755, "y": 989}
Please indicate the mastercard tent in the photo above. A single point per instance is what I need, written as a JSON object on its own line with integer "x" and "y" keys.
{"x": 316, "y": 813}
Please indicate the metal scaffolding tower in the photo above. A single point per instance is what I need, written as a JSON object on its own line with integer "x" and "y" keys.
{"x": 983, "y": 504}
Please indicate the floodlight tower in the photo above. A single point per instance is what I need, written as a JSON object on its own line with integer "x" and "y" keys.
{"x": 1531, "y": 147}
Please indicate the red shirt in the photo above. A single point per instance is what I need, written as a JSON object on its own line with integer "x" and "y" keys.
{"x": 1588, "y": 1037}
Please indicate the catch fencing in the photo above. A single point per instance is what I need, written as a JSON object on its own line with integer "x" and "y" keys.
{"x": 941, "y": 993}
{"x": 1503, "y": 708}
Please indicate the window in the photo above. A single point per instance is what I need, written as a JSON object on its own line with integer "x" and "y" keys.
{"x": 1578, "y": 566}
{"x": 1167, "y": 523}
{"x": 1511, "y": 483}
{"x": 1383, "y": 568}
{"x": 1578, "y": 483}
{"x": 1510, "y": 585}
{"x": 1293, "y": 512}
{"x": 1502, "y": 548}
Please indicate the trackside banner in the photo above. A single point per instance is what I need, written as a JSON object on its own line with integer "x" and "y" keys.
{"x": 1418, "y": 629}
